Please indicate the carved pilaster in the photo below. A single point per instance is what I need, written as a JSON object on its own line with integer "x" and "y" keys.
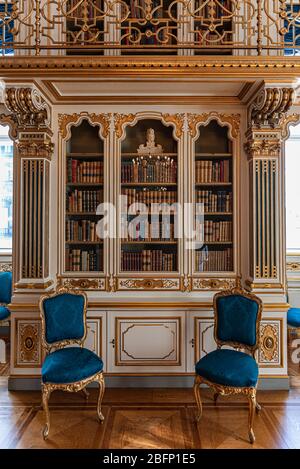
{"x": 29, "y": 120}
{"x": 267, "y": 128}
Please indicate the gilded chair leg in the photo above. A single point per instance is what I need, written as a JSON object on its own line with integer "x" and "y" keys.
{"x": 46, "y": 392}
{"x": 216, "y": 395}
{"x": 198, "y": 397}
{"x": 85, "y": 393}
{"x": 252, "y": 407}
{"x": 257, "y": 406}
{"x": 100, "y": 397}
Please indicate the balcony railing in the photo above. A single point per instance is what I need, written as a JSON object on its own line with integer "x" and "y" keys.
{"x": 181, "y": 27}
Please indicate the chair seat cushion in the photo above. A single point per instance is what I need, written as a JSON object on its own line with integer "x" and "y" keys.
{"x": 293, "y": 317}
{"x": 69, "y": 365}
{"x": 228, "y": 367}
{"x": 4, "y": 313}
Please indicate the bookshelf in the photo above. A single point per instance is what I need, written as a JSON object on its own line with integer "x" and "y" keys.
{"x": 84, "y": 192}
{"x": 149, "y": 183}
{"x": 213, "y": 190}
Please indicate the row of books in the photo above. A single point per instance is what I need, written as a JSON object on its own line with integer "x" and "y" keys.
{"x": 217, "y": 231}
{"x": 82, "y": 230}
{"x": 219, "y": 201}
{"x": 158, "y": 171}
{"x": 154, "y": 231}
{"x": 84, "y": 201}
{"x": 214, "y": 261}
{"x": 212, "y": 171}
{"x": 148, "y": 261}
{"x": 84, "y": 171}
{"x": 80, "y": 260}
{"x": 149, "y": 197}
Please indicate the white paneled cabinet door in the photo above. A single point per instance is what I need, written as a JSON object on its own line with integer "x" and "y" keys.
{"x": 146, "y": 342}
{"x": 200, "y": 338}
{"x": 96, "y": 336}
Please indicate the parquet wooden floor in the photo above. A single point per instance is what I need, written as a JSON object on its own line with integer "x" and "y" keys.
{"x": 147, "y": 418}
{"x": 150, "y": 418}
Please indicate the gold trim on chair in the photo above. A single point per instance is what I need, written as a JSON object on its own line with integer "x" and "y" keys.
{"x": 219, "y": 389}
{"x": 48, "y": 388}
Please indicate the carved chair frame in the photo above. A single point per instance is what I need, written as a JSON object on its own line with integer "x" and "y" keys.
{"x": 219, "y": 389}
{"x": 48, "y": 388}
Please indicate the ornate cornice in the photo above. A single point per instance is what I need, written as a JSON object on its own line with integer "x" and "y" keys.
{"x": 232, "y": 120}
{"x": 258, "y": 67}
{"x": 177, "y": 120}
{"x": 120, "y": 120}
{"x": 270, "y": 107}
{"x": 65, "y": 121}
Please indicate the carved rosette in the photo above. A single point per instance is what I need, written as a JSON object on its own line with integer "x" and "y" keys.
{"x": 65, "y": 122}
{"x": 177, "y": 120}
{"x": 214, "y": 284}
{"x": 269, "y": 343}
{"x": 293, "y": 266}
{"x": 82, "y": 283}
{"x": 232, "y": 120}
{"x": 148, "y": 284}
{"x": 120, "y": 120}
{"x": 28, "y": 343}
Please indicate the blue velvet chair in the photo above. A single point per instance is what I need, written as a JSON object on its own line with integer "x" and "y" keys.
{"x": 5, "y": 299}
{"x": 232, "y": 371}
{"x": 293, "y": 318}
{"x": 67, "y": 368}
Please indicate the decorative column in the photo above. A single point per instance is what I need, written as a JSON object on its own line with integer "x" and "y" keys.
{"x": 29, "y": 122}
{"x": 267, "y": 129}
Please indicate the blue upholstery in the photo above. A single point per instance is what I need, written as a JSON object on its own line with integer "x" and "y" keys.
{"x": 69, "y": 365}
{"x": 64, "y": 317}
{"x": 5, "y": 287}
{"x": 293, "y": 317}
{"x": 229, "y": 368}
{"x": 4, "y": 313}
{"x": 237, "y": 317}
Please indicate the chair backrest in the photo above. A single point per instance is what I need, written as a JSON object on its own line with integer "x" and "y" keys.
{"x": 63, "y": 315}
{"x": 5, "y": 287}
{"x": 237, "y": 318}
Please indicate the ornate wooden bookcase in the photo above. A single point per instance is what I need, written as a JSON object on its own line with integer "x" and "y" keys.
{"x": 150, "y": 300}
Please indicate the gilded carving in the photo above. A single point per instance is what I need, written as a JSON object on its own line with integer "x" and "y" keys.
{"x": 120, "y": 120}
{"x": 28, "y": 343}
{"x": 148, "y": 284}
{"x": 270, "y": 106}
{"x": 286, "y": 121}
{"x": 27, "y": 107}
{"x": 213, "y": 283}
{"x": 293, "y": 266}
{"x": 269, "y": 343}
{"x": 5, "y": 266}
{"x": 177, "y": 120}
{"x": 65, "y": 121}
{"x": 263, "y": 145}
{"x": 83, "y": 283}
{"x": 232, "y": 120}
